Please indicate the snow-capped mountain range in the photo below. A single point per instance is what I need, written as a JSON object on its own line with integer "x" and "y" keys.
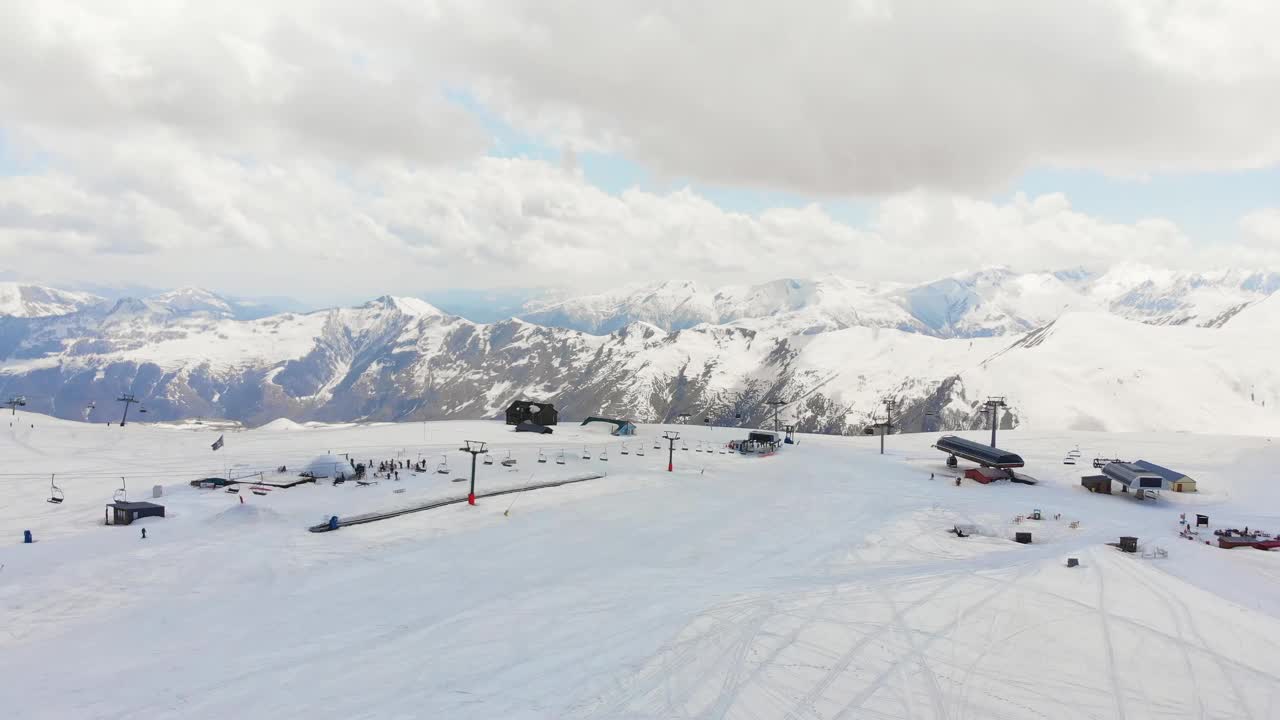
{"x": 976, "y": 304}
{"x": 1131, "y": 349}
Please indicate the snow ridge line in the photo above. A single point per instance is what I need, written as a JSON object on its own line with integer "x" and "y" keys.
{"x": 374, "y": 517}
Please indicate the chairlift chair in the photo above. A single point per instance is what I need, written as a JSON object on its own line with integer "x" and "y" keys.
{"x": 604, "y": 455}
{"x": 542, "y": 457}
{"x": 259, "y": 489}
{"x": 723, "y": 450}
{"x": 684, "y": 445}
{"x": 443, "y": 467}
{"x": 656, "y": 446}
{"x": 560, "y": 458}
{"x": 120, "y": 495}
{"x": 488, "y": 458}
{"x": 586, "y": 454}
{"x": 697, "y": 448}
{"x": 640, "y": 450}
{"x": 624, "y": 449}
{"x": 56, "y": 495}
{"x": 508, "y": 461}
{"x": 142, "y": 408}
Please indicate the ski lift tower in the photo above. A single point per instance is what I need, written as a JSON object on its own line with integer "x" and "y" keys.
{"x": 475, "y": 447}
{"x": 993, "y": 405}
{"x": 886, "y": 427}
{"x": 671, "y": 438}
{"x": 16, "y": 402}
{"x": 776, "y": 404}
{"x": 128, "y": 399}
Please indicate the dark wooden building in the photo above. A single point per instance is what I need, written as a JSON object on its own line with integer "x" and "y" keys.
{"x": 530, "y": 411}
{"x": 124, "y": 513}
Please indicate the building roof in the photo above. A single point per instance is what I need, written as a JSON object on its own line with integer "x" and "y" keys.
{"x": 528, "y": 403}
{"x": 977, "y": 452}
{"x": 1164, "y": 472}
{"x": 1128, "y": 473}
{"x": 120, "y": 505}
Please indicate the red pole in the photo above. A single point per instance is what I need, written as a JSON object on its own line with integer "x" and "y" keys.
{"x": 471, "y": 498}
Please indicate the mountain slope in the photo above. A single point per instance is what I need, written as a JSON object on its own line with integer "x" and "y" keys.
{"x": 24, "y": 300}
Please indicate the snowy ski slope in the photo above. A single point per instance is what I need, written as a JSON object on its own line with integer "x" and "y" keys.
{"x": 817, "y": 583}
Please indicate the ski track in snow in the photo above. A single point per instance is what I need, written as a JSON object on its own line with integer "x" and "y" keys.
{"x": 817, "y": 584}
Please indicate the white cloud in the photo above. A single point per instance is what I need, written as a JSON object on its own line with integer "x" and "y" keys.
{"x": 307, "y": 148}
{"x": 874, "y": 97}
{"x": 312, "y": 232}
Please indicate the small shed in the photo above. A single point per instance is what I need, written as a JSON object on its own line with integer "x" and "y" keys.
{"x": 542, "y": 413}
{"x": 1097, "y": 483}
{"x": 124, "y": 513}
{"x": 1173, "y": 479}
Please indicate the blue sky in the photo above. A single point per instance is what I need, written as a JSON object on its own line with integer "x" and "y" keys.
{"x": 1206, "y": 206}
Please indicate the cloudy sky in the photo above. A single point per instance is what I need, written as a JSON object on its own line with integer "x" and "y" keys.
{"x": 337, "y": 150}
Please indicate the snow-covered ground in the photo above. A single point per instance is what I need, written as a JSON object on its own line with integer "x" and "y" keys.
{"x": 817, "y": 583}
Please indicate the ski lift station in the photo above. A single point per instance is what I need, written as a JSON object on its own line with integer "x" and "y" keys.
{"x": 1133, "y": 477}
{"x": 623, "y": 428}
{"x": 1173, "y": 480}
{"x": 122, "y": 512}
{"x": 984, "y": 455}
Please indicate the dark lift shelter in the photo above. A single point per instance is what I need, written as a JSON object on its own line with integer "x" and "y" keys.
{"x": 984, "y": 455}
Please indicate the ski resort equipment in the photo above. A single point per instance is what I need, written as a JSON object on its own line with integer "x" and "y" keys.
{"x": 56, "y": 495}
{"x": 488, "y": 459}
{"x": 542, "y": 457}
{"x": 122, "y": 493}
{"x": 624, "y": 449}
{"x": 376, "y": 516}
{"x": 656, "y": 446}
{"x": 1143, "y": 482}
{"x": 508, "y": 461}
{"x": 640, "y": 450}
{"x": 684, "y": 445}
{"x": 476, "y": 447}
{"x": 604, "y": 455}
{"x": 985, "y": 456}
{"x": 560, "y": 458}
{"x": 443, "y": 467}
{"x": 124, "y": 513}
{"x": 586, "y": 454}
{"x": 671, "y": 438}
{"x": 621, "y": 427}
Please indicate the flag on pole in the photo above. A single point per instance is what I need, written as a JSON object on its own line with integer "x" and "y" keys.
{"x": 217, "y": 443}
